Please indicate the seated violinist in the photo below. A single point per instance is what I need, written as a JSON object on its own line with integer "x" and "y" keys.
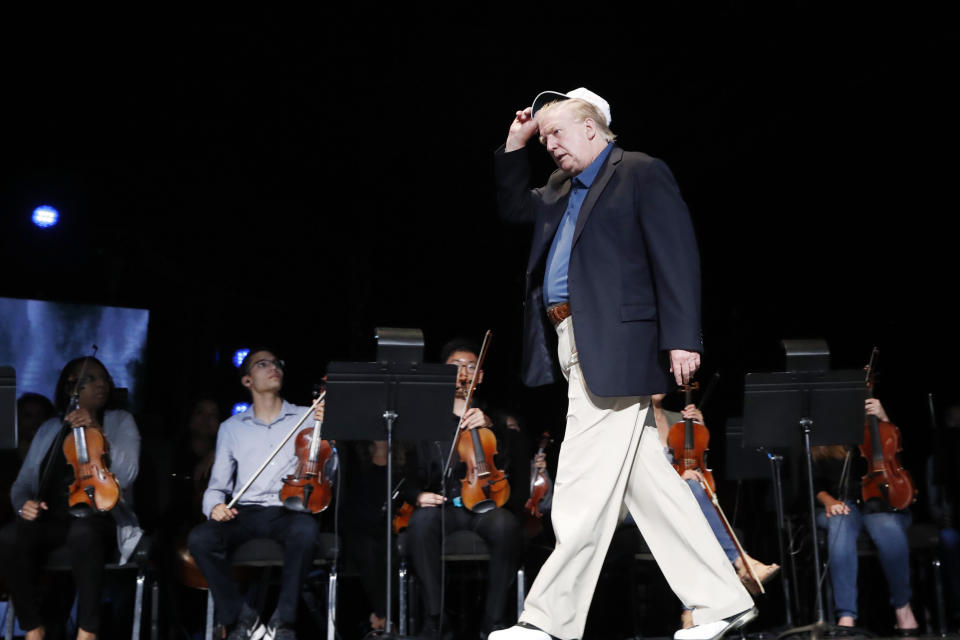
{"x": 243, "y": 443}
{"x": 498, "y": 527}
{"x": 41, "y": 494}
{"x": 838, "y": 490}
{"x": 694, "y": 477}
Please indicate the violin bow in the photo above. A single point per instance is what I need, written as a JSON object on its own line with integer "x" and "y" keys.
{"x": 58, "y": 441}
{"x": 293, "y": 430}
{"x": 469, "y": 400}
{"x": 733, "y": 536}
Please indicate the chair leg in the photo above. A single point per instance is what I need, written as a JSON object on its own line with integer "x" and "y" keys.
{"x": 154, "y": 610}
{"x": 938, "y": 591}
{"x": 8, "y": 623}
{"x": 402, "y": 596}
{"x": 332, "y": 604}
{"x": 209, "y": 632}
{"x": 521, "y": 591}
{"x": 138, "y": 604}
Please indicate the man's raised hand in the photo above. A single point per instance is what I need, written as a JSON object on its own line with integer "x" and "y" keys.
{"x": 521, "y": 129}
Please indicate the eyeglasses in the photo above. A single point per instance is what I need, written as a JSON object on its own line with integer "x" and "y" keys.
{"x": 465, "y": 364}
{"x": 265, "y": 364}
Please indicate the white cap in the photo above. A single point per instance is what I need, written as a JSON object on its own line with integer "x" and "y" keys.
{"x": 580, "y": 93}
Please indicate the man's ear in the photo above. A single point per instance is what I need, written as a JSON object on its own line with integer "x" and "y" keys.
{"x": 591, "y": 128}
{"x": 480, "y": 376}
{"x": 246, "y": 381}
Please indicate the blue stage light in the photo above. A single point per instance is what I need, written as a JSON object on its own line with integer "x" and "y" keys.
{"x": 45, "y": 216}
{"x": 239, "y": 356}
{"x": 240, "y": 407}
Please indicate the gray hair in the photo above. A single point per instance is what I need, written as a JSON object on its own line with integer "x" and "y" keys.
{"x": 583, "y": 110}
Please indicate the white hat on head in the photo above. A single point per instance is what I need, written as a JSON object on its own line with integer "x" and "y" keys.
{"x": 581, "y": 93}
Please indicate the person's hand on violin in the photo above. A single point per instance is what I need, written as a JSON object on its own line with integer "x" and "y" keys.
{"x": 222, "y": 513}
{"x": 874, "y": 408}
{"x": 692, "y": 474}
{"x": 81, "y": 418}
{"x": 832, "y": 506}
{"x": 429, "y": 499}
{"x": 540, "y": 462}
{"x": 690, "y": 412}
{"x": 31, "y": 509}
{"x": 319, "y": 411}
{"x": 683, "y": 364}
{"x": 474, "y": 418}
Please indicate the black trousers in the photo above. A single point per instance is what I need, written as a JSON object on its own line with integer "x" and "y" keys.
{"x": 500, "y": 531}
{"x": 212, "y": 542}
{"x": 369, "y": 554}
{"x": 91, "y": 540}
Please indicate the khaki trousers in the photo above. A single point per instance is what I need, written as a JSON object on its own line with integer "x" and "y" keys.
{"x": 609, "y": 459}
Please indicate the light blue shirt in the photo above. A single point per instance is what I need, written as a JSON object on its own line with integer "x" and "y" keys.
{"x": 243, "y": 443}
{"x": 555, "y": 288}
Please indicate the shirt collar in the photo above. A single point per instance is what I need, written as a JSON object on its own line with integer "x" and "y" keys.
{"x": 286, "y": 409}
{"x": 588, "y": 175}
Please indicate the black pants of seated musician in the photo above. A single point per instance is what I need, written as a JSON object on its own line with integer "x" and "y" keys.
{"x": 26, "y": 545}
{"x": 500, "y": 531}
{"x": 212, "y": 542}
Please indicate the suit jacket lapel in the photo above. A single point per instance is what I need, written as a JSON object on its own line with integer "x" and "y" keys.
{"x": 616, "y": 154}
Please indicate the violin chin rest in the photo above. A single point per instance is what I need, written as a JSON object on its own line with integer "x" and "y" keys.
{"x": 483, "y": 506}
{"x": 80, "y": 510}
{"x": 295, "y": 504}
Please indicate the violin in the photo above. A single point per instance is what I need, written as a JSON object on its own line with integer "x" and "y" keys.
{"x": 886, "y": 479}
{"x": 87, "y": 452}
{"x": 483, "y": 487}
{"x": 689, "y": 440}
{"x": 539, "y": 487}
{"x": 401, "y": 519}
{"x": 307, "y": 489}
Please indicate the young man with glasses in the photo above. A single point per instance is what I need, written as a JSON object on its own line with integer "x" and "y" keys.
{"x": 423, "y": 487}
{"x": 243, "y": 443}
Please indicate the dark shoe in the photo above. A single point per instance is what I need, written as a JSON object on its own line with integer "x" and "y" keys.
{"x": 279, "y": 631}
{"x": 248, "y": 627}
{"x": 906, "y": 633}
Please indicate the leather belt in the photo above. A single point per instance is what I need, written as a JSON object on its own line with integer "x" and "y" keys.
{"x": 558, "y": 312}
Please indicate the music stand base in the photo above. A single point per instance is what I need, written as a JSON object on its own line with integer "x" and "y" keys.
{"x": 821, "y": 629}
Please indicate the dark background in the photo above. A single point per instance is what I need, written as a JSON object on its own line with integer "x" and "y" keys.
{"x": 297, "y": 179}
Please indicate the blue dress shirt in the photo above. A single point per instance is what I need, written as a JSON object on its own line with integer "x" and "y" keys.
{"x": 558, "y": 259}
{"x": 243, "y": 443}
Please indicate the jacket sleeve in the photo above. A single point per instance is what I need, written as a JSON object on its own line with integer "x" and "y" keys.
{"x": 674, "y": 258}
{"x": 124, "y": 438}
{"x": 517, "y": 202}
{"x": 27, "y": 485}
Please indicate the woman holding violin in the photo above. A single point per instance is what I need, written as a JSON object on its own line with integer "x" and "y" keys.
{"x": 839, "y": 490}
{"x": 668, "y": 422}
{"x": 46, "y": 495}
{"x": 498, "y": 527}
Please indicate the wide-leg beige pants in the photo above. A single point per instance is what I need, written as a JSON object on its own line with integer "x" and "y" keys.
{"x": 608, "y": 459}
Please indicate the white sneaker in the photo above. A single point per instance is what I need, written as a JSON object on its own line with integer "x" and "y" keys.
{"x": 517, "y": 632}
{"x": 715, "y": 630}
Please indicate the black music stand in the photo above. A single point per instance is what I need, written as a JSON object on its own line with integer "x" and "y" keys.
{"x": 399, "y": 391}
{"x": 775, "y": 404}
{"x": 755, "y": 463}
{"x": 8, "y": 408}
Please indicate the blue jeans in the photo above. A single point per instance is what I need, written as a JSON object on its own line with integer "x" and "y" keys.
{"x": 714, "y": 519}
{"x": 888, "y": 532}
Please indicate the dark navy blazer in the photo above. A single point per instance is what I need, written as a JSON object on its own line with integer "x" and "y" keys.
{"x": 634, "y": 276}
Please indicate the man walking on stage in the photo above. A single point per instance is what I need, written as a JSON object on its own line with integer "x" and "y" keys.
{"x": 614, "y": 261}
